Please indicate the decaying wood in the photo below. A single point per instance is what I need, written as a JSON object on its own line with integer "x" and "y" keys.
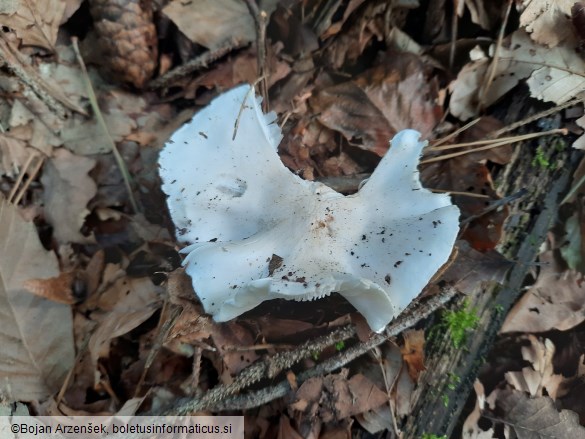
{"x": 438, "y": 402}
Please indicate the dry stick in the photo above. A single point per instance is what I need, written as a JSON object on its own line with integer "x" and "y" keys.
{"x": 20, "y": 178}
{"x": 495, "y": 205}
{"x": 31, "y": 176}
{"x": 45, "y": 92}
{"x": 535, "y": 117}
{"x": 268, "y": 368}
{"x": 494, "y": 64}
{"x": 411, "y": 316}
{"x": 510, "y": 139}
{"x": 260, "y": 20}
{"x": 200, "y": 62}
{"x": 162, "y": 329}
{"x": 461, "y": 193}
{"x": 454, "y": 133}
{"x": 80, "y": 353}
{"x": 496, "y": 143}
{"x": 454, "y": 29}
{"x": 102, "y": 123}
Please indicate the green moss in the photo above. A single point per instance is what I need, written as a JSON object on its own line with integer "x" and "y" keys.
{"x": 445, "y": 399}
{"x": 432, "y": 436}
{"x": 454, "y": 381}
{"x": 540, "y": 160}
{"x": 460, "y": 323}
{"x": 340, "y": 345}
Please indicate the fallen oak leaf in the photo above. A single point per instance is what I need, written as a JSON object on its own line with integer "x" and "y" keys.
{"x": 379, "y": 103}
{"x": 36, "y": 22}
{"x": 536, "y": 417}
{"x": 36, "y": 335}
{"x": 68, "y": 189}
{"x": 61, "y": 289}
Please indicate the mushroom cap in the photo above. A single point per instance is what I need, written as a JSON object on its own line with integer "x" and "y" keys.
{"x": 256, "y": 231}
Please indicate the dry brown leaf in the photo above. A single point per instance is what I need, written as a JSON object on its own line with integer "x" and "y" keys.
{"x": 128, "y": 303}
{"x": 369, "y": 110}
{"x": 552, "y": 75}
{"x": 537, "y": 418}
{"x": 58, "y": 289}
{"x": 470, "y": 173}
{"x": 13, "y": 155}
{"x": 540, "y": 376}
{"x": 229, "y": 338}
{"x": 85, "y": 136}
{"x": 66, "y": 76}
{"x": 404, "y": 388}
{"x": 555, "y": 301}
{"x": 334, "y": 397}
{"x": 413, "y": 352}
{"x": 471, "y": 268}
{"x": 217, "y": 21}
{"x": 286, "y": 430}
{"x": 548, "y": 22}
{"x": 68, "y": 189}
{"x": 471, "y": 429}
{"x": 36, "y": 22}
{"x": 36, "y": 335}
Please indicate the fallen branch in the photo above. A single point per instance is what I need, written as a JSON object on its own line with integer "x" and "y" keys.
{"x": 221, "y": 397}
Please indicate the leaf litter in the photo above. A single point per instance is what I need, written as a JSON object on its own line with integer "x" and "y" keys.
{"x": 344, "y": 77}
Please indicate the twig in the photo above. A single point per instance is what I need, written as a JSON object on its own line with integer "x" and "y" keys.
{"x": 454, "y": 32}
{"x": 18, "y": 191}
{"x": 165, "y": 323}
{"x": 257, "y": 371}
{"x": 411, "y": 316}
{"x": 495, "y": 205}
{"x": 198, "y": 63}
{"x": 494, "y": 64}
{"x": 535, "y": 117}
{"x": 495, "y": 144}
{"x": 102, "y": 123}
{"x": 454, "y": 133}
{"x": 260, "y": 20}
{"x": 218, "y": 398}
{"x": 510, "y": 139}
{"x": 51, "y": 97}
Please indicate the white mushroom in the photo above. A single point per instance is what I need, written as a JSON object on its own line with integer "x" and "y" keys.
{"x": 258, "y": 232}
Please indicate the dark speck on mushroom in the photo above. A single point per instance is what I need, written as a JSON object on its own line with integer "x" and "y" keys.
{"x": 202, "y": 134}
{"x": 387, "y": 278}
{"x": 397, "y": 263}
{"x": 363, "y": 237}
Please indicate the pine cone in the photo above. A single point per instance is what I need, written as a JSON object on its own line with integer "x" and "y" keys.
{"x": 127, "y": 39}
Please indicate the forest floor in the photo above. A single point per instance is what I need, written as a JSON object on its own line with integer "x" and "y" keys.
{"x": 98, "y": 317}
